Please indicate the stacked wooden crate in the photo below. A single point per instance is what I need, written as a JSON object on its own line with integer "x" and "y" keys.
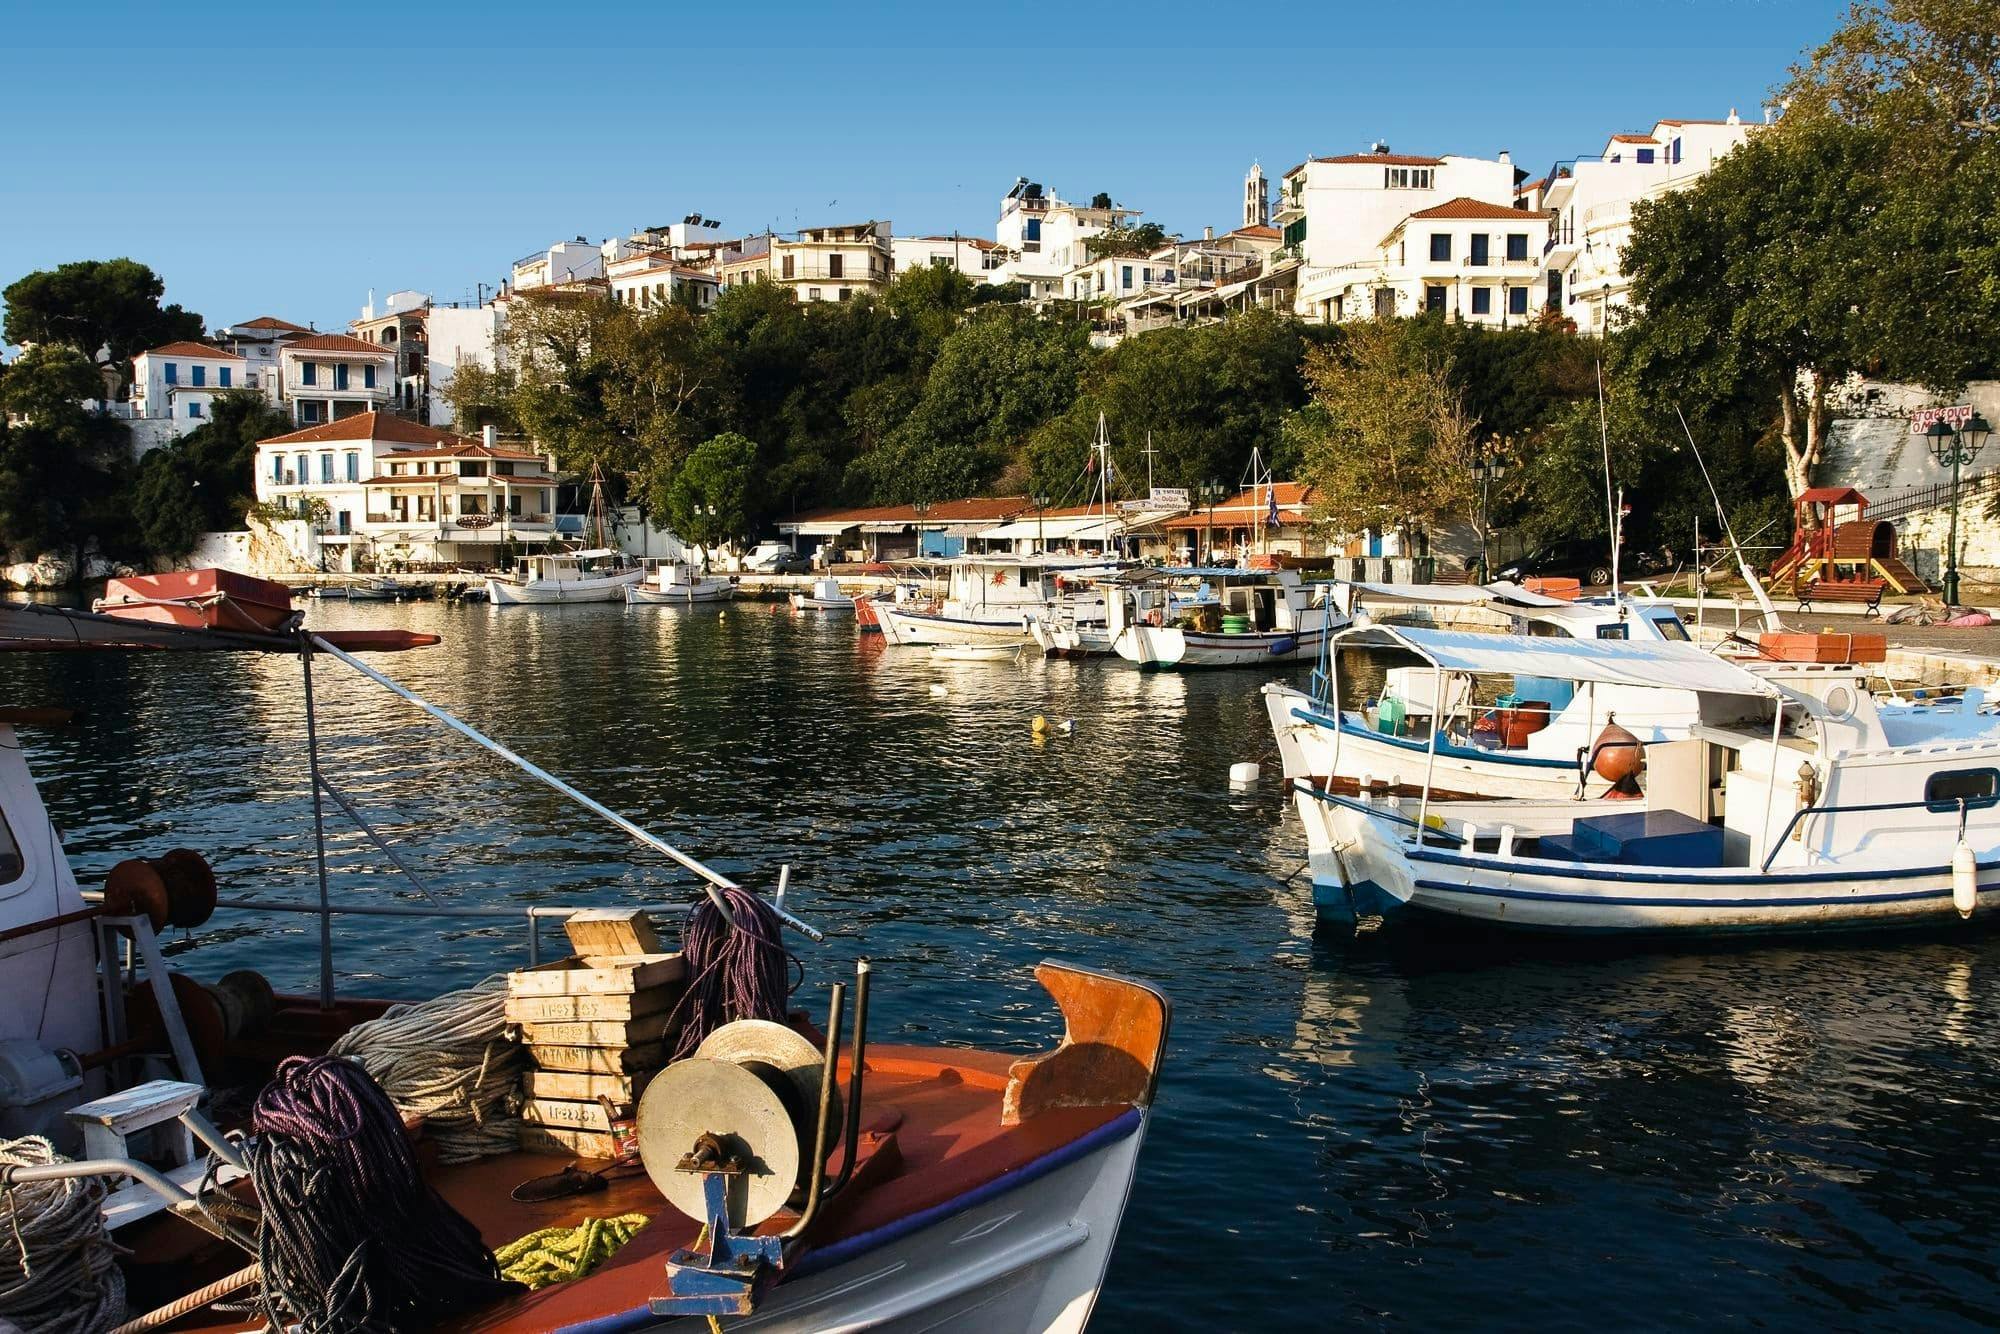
{"x": 596, "y": 1026}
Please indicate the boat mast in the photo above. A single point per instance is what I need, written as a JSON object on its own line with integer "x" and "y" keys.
{"x": 597, "y": 504}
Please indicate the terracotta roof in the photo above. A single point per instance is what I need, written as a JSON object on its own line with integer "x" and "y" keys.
{"x": 972, "y": 509}
{"x": 1249, "y": 504}
{"x": 337, "y": 343}
{"x": 467, "y": 449}
{"x": 977, "y": 242}
{"x": 272, "y": 322}
{"x": 1384, "y": 159}
{"x": 1701, "y": 122}
{"x": 190, "y": 349}
{"x": 385, "y": 426}
{"x": 1267, "y": 232}
{"x": 1472, "y": 208}
{"x": 1632, "y": 138}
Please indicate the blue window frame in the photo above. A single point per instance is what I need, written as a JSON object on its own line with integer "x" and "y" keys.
{"x": 1674, "y": 151}
{"x": 340, "y": 375}
{"x": 326, "y": 467}
{"x": 1034, "y": 232}
{"x": 1517, "y": 301}
{"x": 199, "y": 375}
{"x": 1517, "y": 247}
{"x": 173, "y": 373}
{"x": 1482, "y": 301}
{"x": 309, "y": 372}
{"x": 353, "y": 467}
{"x": 194, "y": 409}
{"x": 1481, "y": 250}
{"x": 277, "y": 467}
{"x": 368, "y": 377}
{"x": 1440, "y": 245}
{"x": 1645, "y": 155}
{"x": 1125, "y": 277}
{"x": 300, "y": 473}
{"x": 222, "y": 376}
{"x": 1977, "y": 788}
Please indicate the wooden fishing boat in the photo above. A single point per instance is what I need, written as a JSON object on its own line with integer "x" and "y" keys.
{"x": 597, "y": 575}
{"x": 676, "y": 584}
{"x": 975, "y": 652}
{"x": 858, "y": 1186}
{"x": 209, "y": 599}
{"x": 823, "y": 596}
{"x": 1253, "y": 619}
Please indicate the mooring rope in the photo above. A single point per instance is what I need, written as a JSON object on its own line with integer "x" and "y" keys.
{"x": 59, "y": 1272}
{"x": 352, "y": 1237}
{"x": 450, "y": 1061}
{"x": 735, "y": 973}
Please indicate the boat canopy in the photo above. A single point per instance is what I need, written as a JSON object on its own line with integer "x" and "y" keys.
{"x": 1671, "y": 664}
{"x": 593, "y": 554}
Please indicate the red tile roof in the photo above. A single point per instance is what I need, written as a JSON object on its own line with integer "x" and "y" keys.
{"x": 1472, "y": 208}
{"x": 190, "y": 349}
{"x": 272, "y": 322}
{"x": 1631, "y": 138}
{"x": 1266, "y": 232}
{"x": 1699, "y": 122}
{"x": 468, "y": 449}
{"x": 338, "y": 343}
{"x": 1294, "y": 497}
{"x": 385, "y": 426}
{"x": 1385, "y": 159}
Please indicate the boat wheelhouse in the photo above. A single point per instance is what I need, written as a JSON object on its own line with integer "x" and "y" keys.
{"x": 596, "y": 575}
{"x": 1227, "y": 617}
{"x": 676, "y": 583}
{"x": 990, "y": 599}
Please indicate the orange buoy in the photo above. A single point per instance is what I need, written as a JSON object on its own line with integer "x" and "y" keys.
{"x": 1616, "y": 755}
{"x": 134, "y": 889}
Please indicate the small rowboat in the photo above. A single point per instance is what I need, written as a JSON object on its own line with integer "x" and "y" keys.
{"x": 975, "y": 652}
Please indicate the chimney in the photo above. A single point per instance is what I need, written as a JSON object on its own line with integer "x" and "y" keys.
{"x": 1208, "y": 233}
{"x": 489, "y": 436}
{"x": 1506, "y": 158}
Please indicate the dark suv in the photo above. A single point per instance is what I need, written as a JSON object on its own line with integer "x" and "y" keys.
{"x": 1587, "y": 559}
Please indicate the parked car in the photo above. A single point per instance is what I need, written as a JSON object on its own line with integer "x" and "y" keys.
{"x": 792, "y": 562}
{"x": 764, "y": 557}
{"x": 1586, "y": 559}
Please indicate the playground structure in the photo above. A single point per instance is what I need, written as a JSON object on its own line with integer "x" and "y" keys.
{"x": 1836, "y": 560}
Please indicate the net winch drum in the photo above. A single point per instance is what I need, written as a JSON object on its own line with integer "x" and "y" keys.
{"x": 755, "y": 1086}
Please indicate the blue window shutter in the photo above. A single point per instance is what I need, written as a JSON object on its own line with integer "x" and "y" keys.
{"x": 309, "y": 372}
{"x": 200, "y": 375}
{"x": 173, "y": 373}
{"x": 222, "y": 377}
{"x": 368, "y": 377}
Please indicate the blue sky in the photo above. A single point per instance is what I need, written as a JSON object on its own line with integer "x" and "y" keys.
{"x": 285, "y": 164}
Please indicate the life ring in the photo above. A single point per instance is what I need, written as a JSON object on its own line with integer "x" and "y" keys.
{"x": 1153, "y": 616}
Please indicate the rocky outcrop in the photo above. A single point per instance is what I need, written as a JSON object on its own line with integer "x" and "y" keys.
{"x": 47, "y": 571}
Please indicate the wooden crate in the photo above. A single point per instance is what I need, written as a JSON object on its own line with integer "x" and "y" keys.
{"x": 567, "y": 1114}
{"x": 595, "y": 1144}
{"x": 612, "y": 932}
{"x": 588, "y": 1060}
{"x": 579, "y": 1086}
{"x": 608, "y": 975}
{"x": 597, "y": 1032}
{"x": 570, "y": 1009}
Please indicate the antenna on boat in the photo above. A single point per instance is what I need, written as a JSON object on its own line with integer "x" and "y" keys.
{"x": 1611, "y": 505}
{"x": 1771, "y": 619}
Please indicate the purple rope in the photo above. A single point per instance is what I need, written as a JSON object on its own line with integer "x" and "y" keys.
{"x": 743, "y": 973}
{"x": 352, "y": 1237}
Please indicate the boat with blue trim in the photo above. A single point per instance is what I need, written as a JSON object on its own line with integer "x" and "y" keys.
{"x": 1794, "y": 803}
{"x": 1224, "y": 616}
{"x": 991, "y": 599}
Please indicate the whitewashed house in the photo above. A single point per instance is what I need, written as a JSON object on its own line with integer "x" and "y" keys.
{"x": 455, "y": 337}
{"x": 564, "y": 262}
{"x": 974, "y": 256}
{"x": 324, "y": 377}
{"x": 1590, "y": 202}
{"x": 833, "y": 263}
{"x": 398, "y": 326}
{"x": 648, "y": 279}
{"x": 257, "y": 342}
{"x": 397, "y": 492}
{"x": 1333, "y": 212}
{"x": 1043, "y": 237}
{"x": 1467, "y": 259}
{"x": 174, "y": 389}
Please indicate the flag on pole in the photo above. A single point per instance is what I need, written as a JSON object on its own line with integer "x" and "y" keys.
{"x": 1271, "y": 517}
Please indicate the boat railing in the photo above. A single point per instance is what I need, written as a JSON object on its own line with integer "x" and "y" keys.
{"x": 1964, "y": 805}
{"x": 1367, "y": 808}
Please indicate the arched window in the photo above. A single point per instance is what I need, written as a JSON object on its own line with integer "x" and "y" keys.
{"x": 389, "y": 334}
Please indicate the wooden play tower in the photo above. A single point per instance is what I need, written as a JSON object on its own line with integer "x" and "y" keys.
{"x": 1830, "y": 556}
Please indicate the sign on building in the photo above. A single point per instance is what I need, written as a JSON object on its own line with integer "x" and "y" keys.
{"x": 1955, "y": 417}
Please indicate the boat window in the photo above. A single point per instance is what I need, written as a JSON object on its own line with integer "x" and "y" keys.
{"x": 11, "y": 863}
{"x": 1619, "y": 631}
{"x": 1975, "y": 787}
{"x": 1670, "y": 627}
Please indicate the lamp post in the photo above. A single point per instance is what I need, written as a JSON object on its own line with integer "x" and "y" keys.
{"x": 1954, "y": 447}
{"x": 1210, "y": 492}
{"x": 922, "y": 507}
{"x": 1041, "y": 500}
{"x": 1488, "y": 470}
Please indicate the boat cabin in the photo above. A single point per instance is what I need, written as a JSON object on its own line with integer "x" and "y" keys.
{"x": 566, "y": 565}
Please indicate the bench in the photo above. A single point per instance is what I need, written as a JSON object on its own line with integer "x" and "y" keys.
{"x": 1865, "y": 592}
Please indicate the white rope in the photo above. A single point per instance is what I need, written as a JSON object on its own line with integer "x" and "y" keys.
{"x": 450, "y": 1061}
{"x": 59, "y": 1272}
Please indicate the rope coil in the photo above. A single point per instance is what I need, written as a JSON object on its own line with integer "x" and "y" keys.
{"x": 735, "y": 973}
{"x": 59, "y": 1271}
{"x": 450, "y": 1061}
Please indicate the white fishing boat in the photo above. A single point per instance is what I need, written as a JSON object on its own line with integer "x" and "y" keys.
{"x": 596, "y": 575}
{"x": 823, "y": 596}
{"x": 1794, "y": 804}
{"x": 975, "y": 652}
{"x": 677, "y": 584}
{"x": 991, "y": 599}
{"x": 780, "y": 1174}
{"x": 1253, "y": 618}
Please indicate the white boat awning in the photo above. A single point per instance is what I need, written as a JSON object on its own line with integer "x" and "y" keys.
{"x": 812, "y": 528}
{"x": 1669, "y": 664}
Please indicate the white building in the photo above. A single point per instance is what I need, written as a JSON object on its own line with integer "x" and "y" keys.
{"x": 173, "y": 388}
{"x": 257, "y": 342}
{"x": 398, "y": 325}
{"x": 1044, "y": 237}
{"x": 974, "y": 256}
{"x": 1467, "y": 259}
{"x": 649, "y": 279}
{"x": 1335, "y": 211}
{"x": 396, "y": 492}
{"x": 833, "y": 263}
{"x": 563, "y": 262}
{"x": 691, "y": 235}
{"x": 455, "y": 337}
{"x": 1591, "y": 199}
{"x": 324, "y": 377}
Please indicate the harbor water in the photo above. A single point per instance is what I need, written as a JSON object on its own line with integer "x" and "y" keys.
{"x": 1411, "y": 1137}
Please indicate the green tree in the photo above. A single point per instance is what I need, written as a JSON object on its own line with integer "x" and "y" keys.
{"x": 1924, "y": 72}
{"x": 202, "y": 482}
{"x": 166, "y": 506}
{"x": 64, "y": 471}
{"x": 711, "y": 501}
{"x": 1141, "y": 240}
{"x": 93, "y": 305}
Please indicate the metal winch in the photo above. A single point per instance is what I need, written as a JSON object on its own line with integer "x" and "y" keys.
{"x": 740, "y": 1130}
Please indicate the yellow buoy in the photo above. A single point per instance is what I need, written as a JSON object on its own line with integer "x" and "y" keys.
{"x": 1040, "y": 725}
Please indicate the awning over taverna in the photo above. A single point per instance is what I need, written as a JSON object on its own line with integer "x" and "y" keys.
{"x": 1671, "y": 665}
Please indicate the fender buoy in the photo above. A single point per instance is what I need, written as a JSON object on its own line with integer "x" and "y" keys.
{"x": 1283, "y": 646}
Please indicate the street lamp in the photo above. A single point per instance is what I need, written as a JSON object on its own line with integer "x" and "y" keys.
{"x": 1210, "y": 492}
{"x": 1488, "y": 469}
{"x": 1954, "y": 447}
{"x": 922, "y": 507}
{"x": 1041, "y": 500}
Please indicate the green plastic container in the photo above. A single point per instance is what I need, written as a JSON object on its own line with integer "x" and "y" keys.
{"x": 1235, "y": 624}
